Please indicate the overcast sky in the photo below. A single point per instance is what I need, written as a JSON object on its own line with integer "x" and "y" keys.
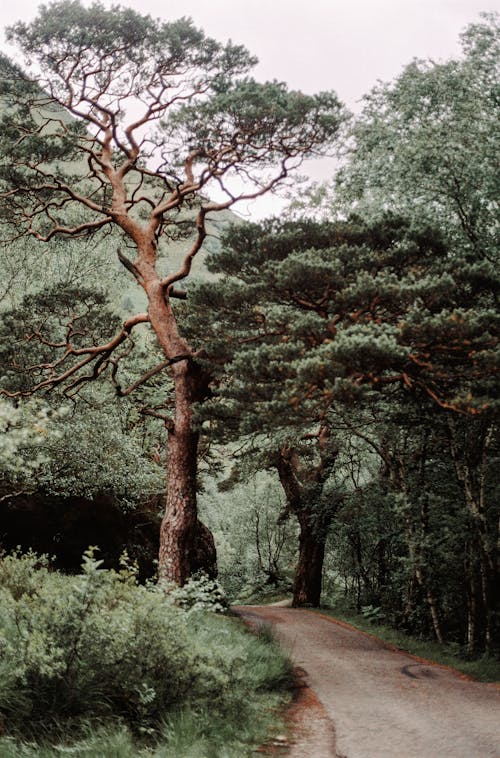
{"x": 314, "y": 45}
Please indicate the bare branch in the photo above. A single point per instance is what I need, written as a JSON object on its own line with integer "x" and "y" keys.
{"x": 183, "y": 272}
{"x": 130, "y": 266}
{"x": 167, "y": 420}
{"x": 142, "y": 380}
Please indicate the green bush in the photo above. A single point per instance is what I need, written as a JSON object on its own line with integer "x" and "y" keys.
{"x": 78, "y": 653}
{"x": 200, "y": 594}
{"x": 92, "y": 644}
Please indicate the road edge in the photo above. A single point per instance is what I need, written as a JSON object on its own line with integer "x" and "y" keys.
{"x": 311, "y": 728}
{"x": 389, "y": 646}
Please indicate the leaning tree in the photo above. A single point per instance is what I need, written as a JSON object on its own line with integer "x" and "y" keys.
{"x": 129, "y": 126}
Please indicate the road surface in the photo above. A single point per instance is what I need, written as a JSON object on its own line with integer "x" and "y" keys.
{"x": 384, "y": 703}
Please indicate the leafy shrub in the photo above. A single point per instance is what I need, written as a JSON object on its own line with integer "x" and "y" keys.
{"x": 93, "y": 644}
{"x": 80, "y": 652}
{"x": 373, "y": 613}
{"x": 200, "y": 594}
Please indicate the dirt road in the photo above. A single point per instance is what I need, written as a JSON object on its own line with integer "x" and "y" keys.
{"x": 384, "y": 703}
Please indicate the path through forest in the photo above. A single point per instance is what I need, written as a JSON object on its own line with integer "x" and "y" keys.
{"x": 383, "y": 703}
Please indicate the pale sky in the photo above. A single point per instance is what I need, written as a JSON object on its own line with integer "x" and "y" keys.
{"x": 314, "y": 45}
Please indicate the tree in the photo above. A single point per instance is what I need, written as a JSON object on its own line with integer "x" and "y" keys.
{"x": 424, "y": 147}
{"x": 309, "y": 313}
{"x": 407, "y": 539}
{"x": 130, "y": 124}
{"x": 402, "y": 302}
{"x": 313, "y": 318}
{"x": 314, "y": 504}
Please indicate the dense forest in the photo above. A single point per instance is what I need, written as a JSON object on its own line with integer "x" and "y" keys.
{"x": 197, "y": 410}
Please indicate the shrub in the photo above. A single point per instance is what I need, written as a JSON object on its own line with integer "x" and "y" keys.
{"x": 200, "y": 594}
{"x": 83, "y": 657}
{"x": 93, "y": 644}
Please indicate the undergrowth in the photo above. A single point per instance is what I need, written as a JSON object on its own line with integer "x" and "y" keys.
{"x": 95, "y": 665}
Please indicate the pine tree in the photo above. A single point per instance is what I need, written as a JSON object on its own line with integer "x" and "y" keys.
{"x": 131, "y": 123}
{"x": 313, "y": 318}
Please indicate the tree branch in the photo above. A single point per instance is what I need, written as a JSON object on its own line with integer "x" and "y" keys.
{"x": 97, "y": 352}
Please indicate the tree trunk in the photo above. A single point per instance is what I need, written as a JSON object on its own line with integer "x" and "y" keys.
{"x": 303, "y": 486}
{"x": 179, "y": 527}
{"x": 470, "y": 459}
{"x": 309, "y": 571}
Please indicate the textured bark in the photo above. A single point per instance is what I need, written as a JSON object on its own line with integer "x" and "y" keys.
{"x": 309, "y": 571}
{"x": 303, "y": 486}
{"x": 179, "y": 525}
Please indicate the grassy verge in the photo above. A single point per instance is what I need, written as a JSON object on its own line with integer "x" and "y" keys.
{"x": 262, "y": 596}
{"x": 485, "y": 669}
{"x": 95, "y": 666}
{"x": 189, "y": 733}
{"x": 247, "y": 712}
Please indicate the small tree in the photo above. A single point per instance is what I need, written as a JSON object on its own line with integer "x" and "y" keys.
{"x": 130, "y": 125}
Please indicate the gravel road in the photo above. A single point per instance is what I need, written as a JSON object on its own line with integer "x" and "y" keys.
{"x": 385, "y": 703}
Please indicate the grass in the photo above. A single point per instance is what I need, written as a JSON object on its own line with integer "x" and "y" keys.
{"x": 94, "y": 666}
{"x": 249, "y": 711}
{"x": 262, "y": 595}
{"x": 484, "y": 669}
{"x": 196, "y": 733}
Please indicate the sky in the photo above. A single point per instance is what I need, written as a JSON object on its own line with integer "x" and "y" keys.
{"x": 315, "y": 45}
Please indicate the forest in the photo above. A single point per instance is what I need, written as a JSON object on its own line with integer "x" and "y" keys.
{"x": 199, "y": 411}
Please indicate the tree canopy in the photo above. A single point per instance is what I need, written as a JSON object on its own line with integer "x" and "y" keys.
{"x": 425, "y": 145}
{"x": 316, "y": 311}
{"x": 135, "y": 130}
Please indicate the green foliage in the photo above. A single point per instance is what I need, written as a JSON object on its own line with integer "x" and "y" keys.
{"x": 121, "y": 38}
{"x": 103, "y": 742}
{"x": 75, "y": 450}
{"x": 406, "y": 541}
{"x": 95, "y": 453}
{"x": 24, "y": 427}
{"x": 320, "y": 318}
{"x": 256, "y": 123}
{"x": 317, "y": 312}
{"x": 97, "y": 649}
{"x": 35, "y": 334}
{"x": 255, "y": 548}
{"x": 425, "y": 144}
{"x": 371, "y": 613}
{"x": 200, "y": 594}
{"x": 75, "y": 648}
{"x": 94, "y": 446}
{"x": 71, "y": 166}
